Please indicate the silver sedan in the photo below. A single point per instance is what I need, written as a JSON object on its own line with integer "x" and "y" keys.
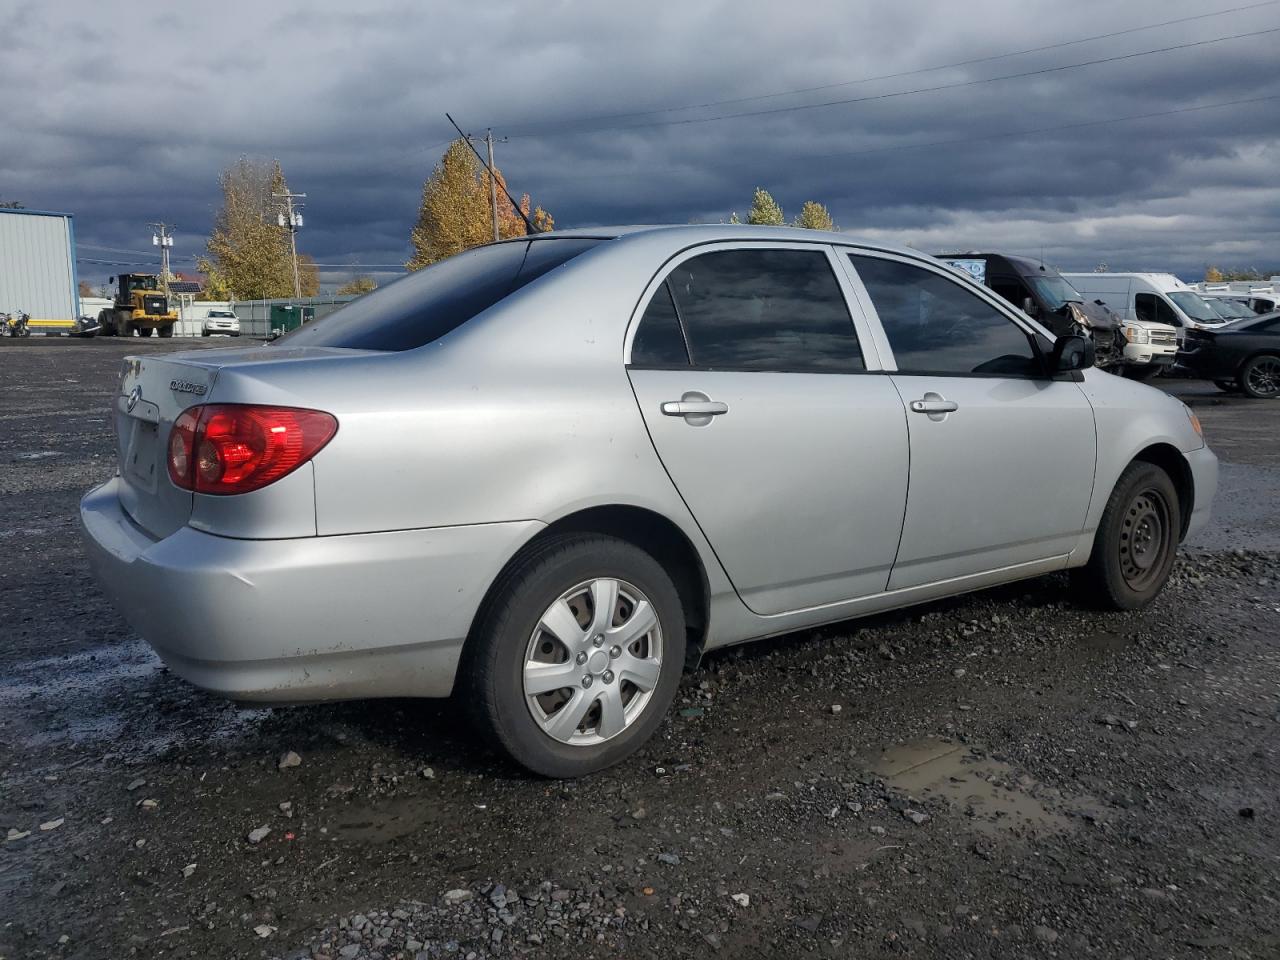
{"x": 549, "y": 473}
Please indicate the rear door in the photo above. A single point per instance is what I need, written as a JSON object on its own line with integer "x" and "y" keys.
{"x": 761, "y": 394}
{"x": 1002, "y": 456}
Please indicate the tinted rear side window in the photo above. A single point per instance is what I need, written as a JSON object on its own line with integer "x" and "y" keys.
{"x": 659, "y": 341}
{"x": 426, "y": 305}
{"x": 779, "y": 310}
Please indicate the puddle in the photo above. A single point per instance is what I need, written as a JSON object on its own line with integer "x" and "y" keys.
{"x": 991, "y": 794}
{"x": 382, "y": 821}
{"x": 110, "y": 695}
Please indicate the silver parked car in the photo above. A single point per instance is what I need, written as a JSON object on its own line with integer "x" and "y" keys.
{"x": 548, "y": 473}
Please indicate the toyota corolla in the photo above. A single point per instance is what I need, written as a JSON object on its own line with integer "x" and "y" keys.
{"x": 546, "y": 474}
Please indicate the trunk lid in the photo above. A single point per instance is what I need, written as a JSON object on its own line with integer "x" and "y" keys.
{"x": 153, "y": 392}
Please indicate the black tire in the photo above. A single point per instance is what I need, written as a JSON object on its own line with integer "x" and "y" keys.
{"x": 166, "y": 331}
{"x": 492, "y": 673}
{"x": 1227, "y": 386}
{"x": 146, "y": 331}
{"x": 1260, "y": 377}
{"x": 1136, "y": 543}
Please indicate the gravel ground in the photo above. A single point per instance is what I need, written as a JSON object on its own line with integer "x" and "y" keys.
{"x": 1005, "y": 774}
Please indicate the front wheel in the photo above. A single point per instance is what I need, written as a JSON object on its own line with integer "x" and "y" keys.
{"x": 1136, "y": 542}
{"x": 1260, "y": 378}
{"x": 577, "y": 656}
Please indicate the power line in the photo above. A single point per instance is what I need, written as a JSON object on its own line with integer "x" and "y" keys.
{"x": 1020, "y": 133}
{"x": 902, "y": 93}
{"x": 906, "y": 73}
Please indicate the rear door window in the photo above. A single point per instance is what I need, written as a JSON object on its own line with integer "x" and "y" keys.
{"x": 426, "y": 305}
{"x": 765, "y": 309}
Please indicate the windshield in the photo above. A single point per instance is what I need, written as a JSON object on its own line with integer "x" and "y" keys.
{"x": 221, "y": 313}
{"x": 1194, "y": 306}
{"x": 142, "y": 283}
{"x": 1229, "y": 309}
{"x": 425, "y": 305}
{"x": 1055, "y": 291}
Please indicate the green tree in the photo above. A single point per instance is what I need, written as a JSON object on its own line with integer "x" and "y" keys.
{"x": 248, "y": 249}
{"x": 765, "y": 211}
{"x": 457, "y": 213}
{"x": 357, "y": 285}
{"x": 10, "y": 205}
{"x": 814, "y": 216}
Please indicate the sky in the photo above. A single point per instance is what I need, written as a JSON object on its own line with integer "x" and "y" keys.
{"x": 125, "y": 112}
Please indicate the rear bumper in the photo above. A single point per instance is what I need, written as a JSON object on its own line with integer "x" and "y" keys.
{"x": 300, "y": 620}
{"x": 1204, "y": 476}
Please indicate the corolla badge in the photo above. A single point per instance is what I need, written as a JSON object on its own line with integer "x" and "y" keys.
{"x": 134, "y": 396}
{"x": 186, "y": 386}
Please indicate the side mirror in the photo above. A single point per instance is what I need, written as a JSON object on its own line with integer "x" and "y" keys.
{"x": 1072, "y": 352}
{"x": 1029, "y": 306}
{"x": 111, "y": 279}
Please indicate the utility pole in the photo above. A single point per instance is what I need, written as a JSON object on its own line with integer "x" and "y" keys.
{"x": 291, "y": 216}
{"x": 493, "y": 184}
{"x": 493, "y": 180}
{"x": 162, "y": 237}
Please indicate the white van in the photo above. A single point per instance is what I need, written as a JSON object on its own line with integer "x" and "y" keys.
{"x": 1151, "y": 323}
{"x": 1259, "y": 297}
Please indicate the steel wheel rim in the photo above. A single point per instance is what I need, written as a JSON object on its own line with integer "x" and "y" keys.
{"x": 1264, "y": 377}
{"x": 1145, "y": 538}
{"x": 592, "y": 663}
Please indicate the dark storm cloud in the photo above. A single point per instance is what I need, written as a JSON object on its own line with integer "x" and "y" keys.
{"x": 351, "y": 99}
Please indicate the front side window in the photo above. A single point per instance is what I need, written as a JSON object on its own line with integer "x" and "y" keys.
{"x": 425, "y": 305}
{"x": 762, "y": 309}
{"x": 935, "y": 326}
{"x": 1154, "y": 309}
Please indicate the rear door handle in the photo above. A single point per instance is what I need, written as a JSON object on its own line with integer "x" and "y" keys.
{"x": 694, "y": 408}
{"x": 934, "y": 406}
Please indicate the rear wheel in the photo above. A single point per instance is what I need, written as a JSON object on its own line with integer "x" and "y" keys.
{"x": 1260, "y": 377}
{"x": 146, "y": 331}
{"x": 1136, "y": 542}
{"x": 166, "y": 330}
{"x": 578, "y": 655}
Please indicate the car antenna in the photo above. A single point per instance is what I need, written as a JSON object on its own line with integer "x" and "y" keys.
{"x": 523, "y": 216}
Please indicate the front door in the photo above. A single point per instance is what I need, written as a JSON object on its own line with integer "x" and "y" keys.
{"x": 791, "y": 456}
{"x": 1002, "y": 455}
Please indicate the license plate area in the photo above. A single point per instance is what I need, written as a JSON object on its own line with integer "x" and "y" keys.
{"x": 140, "y": 465}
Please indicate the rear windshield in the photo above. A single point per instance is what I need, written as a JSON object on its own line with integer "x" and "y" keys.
{"x": 426, "y": 305}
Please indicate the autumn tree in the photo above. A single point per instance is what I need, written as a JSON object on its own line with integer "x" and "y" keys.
{"x": 357, "y": 286}
{"x": 1212, "y": 275}
{"x": 308, "y": 276}
{"x": 248, "y": 250}
{"x": 765, "y": 211}
{"x": 457, "y": 213}
{"x": 86, "y": 288}
{"x": 814, "y": 216}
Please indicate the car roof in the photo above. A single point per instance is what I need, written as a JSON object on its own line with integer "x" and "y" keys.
{"x": 691, "y": 233}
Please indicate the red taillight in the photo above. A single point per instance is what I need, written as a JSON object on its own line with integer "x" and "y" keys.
{"x": 235, "y": 448}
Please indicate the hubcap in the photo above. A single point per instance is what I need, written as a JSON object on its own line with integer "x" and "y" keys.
{"x": 1144, "y": 539}
{"x": 593, "y": 662}
{"x": 1264, "y": 377}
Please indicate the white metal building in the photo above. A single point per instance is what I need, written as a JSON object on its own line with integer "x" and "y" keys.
{"x": 38, "y": 267}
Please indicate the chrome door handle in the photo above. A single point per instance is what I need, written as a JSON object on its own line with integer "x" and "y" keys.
{"x": 934, "y": 406}
{"x": 694, "y": 408}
